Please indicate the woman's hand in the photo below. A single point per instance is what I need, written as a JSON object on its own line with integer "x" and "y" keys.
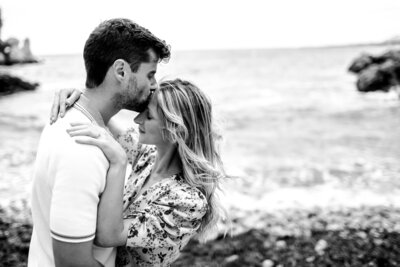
{"x": 91, "y": 134}
{"x": 63, "y": 99}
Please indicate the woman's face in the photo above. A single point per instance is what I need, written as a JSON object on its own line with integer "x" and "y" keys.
{"x": 150, "y": 125}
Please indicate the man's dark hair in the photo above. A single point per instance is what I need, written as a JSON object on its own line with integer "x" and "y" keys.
{"x": 119, "y": 39}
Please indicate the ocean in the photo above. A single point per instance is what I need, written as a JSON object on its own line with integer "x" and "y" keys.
{"x": 294, "y": 125}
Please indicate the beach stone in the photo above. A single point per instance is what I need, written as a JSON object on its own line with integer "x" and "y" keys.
{"x": 267, "y": 263}
{"x": 231, "y": 258}
{"x": 310, "y": 259}
{"x": 321, "y": 246}
{"x": 253, "y": 258}
{"x": 280, "y": 244}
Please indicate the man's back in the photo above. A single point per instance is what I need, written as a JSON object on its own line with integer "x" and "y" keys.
{"x": 67, "y": 182}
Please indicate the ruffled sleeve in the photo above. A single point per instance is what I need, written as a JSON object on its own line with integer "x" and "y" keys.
{"x": 169, "y": 221}
{"x": 129, "y": 141}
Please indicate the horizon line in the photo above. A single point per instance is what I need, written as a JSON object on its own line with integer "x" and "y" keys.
{"x": 258, "y": 48}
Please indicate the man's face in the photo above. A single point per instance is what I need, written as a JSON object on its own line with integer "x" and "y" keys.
{"x": 135, "y": 95}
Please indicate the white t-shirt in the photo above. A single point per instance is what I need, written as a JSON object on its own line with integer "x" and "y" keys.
{"x": 67, "y": 182}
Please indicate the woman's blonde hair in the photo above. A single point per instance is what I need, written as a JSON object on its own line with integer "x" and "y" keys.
{"x": 187, "y": 116}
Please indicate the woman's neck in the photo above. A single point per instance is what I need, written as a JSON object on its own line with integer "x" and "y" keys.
{"x": 167, "y": 163}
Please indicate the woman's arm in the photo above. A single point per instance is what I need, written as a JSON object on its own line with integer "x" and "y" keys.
{"x": 110, "y": 226}
{"x": 171, "y": 220}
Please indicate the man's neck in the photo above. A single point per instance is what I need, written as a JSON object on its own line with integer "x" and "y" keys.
{"x": 101, "y": 99}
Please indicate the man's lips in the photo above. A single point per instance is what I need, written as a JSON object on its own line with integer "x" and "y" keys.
{"x": 141, "y": 130}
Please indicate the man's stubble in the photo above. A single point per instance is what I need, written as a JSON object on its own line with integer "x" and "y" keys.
{"x": 131, "y": 98}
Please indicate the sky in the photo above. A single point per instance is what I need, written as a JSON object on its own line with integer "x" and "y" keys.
{"x": 62, "y": 27}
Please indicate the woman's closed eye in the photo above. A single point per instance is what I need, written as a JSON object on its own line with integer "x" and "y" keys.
{"x": 148, "y": 115}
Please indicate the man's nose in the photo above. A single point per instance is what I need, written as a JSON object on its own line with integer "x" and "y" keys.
{"x": 154, "y": 85}
{"x": 138, "y": 119}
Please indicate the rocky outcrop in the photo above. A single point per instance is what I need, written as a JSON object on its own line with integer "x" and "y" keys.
{"x": 12, "y": 53}
{"x": 377, "y": 73}
{"x": 11, "y": 84}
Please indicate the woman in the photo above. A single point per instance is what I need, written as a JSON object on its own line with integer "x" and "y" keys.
{"x": 170, "y": 195}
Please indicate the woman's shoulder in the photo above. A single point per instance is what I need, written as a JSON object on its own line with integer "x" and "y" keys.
{"x": 146, "y": 155}
{"x": 184, "y": 194}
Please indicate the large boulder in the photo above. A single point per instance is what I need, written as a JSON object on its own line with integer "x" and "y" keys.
{"x": 11, "y": 84}
{"x": 377, "y": 73}
{"x": 373, "y": 79}
{"x": 391, "y": 55}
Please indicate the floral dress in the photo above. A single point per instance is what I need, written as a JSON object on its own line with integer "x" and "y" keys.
{"x": 164, "y": 217}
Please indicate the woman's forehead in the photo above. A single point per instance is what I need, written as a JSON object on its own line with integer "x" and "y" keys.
{"x": 153, "y": 102}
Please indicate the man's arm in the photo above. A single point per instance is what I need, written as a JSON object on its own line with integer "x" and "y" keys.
{"x": 74, "y": 254}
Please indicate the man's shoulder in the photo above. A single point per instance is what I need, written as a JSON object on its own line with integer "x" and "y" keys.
{"x": 72, "y": 115}
{"x": 56, "y": 138}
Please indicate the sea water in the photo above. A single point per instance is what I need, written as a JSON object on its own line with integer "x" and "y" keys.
{"x": 291, "y": 118}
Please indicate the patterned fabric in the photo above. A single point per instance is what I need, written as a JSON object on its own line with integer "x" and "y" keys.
{"x": 163, "y": 217}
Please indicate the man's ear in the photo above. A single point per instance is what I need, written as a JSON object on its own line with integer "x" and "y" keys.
{"x": 120, "y": 68}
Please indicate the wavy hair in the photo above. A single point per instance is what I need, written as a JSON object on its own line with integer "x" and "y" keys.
{"x": 187, "y": 116}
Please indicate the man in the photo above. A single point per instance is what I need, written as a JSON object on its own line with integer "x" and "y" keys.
{"x": 121, "y": 60}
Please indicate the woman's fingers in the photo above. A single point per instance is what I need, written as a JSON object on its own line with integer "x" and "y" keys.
{"x": 63, "y": 96}
{"x": 83, "y": 124}
{"x": 84, "y": 132}
{"x": 88, "y": 141}
{"x": 55, "y": 108}
{"x": 73, "y": 97}
{"x": 63, "y": 99}
{"x": 79, "y": 126}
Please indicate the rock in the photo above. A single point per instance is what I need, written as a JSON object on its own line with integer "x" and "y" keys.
{"x": 12, "y": 53}
{"x": 373, "y": 79}
{"x": 391, "y": 54}
{"x": 321, "y": 246}
{"x": 11, "y": 84}
{"x": 280, "y": 244}
{"x": 392, "y": 68}
{"x": 361, "y": 63}
{"x": 377, "y": 73}
{"x": 231, "y": 258}
{"x": 267, "y": 263}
